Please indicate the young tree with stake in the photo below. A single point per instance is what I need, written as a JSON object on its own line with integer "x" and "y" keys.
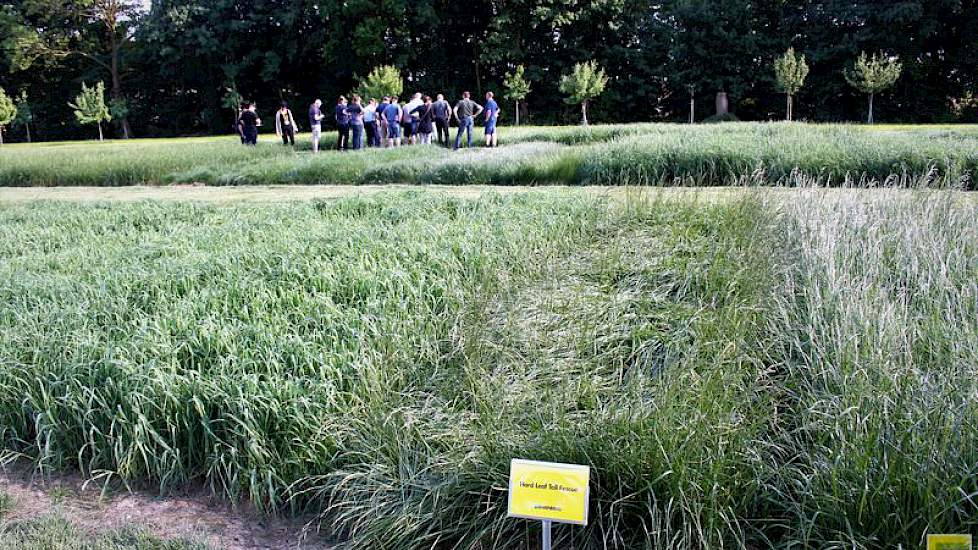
{"x": 8, "y": 111}
{"x": 517, "y": 88}
{"x": 586, "y": 82}
{"x": 90, "y": 106}
{"x": 790, "y": 71}
{"x": 25, "y": 116}
{"x": 872, "y": 75}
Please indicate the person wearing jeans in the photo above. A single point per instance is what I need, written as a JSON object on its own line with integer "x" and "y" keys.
{"x": 465, "y": 112}
{"x": 342, "y": 125}
{"x": 315, "y": 124}
{"x": 355, "y": 110}
{"x": 285, "y": 125}
{"x": 370, "y": 123}
{"x": 443, "y": 114}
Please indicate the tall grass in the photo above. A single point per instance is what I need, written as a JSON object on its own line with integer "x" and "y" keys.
{"x": 769, "y": 370}
{"x": 639, "y": 154}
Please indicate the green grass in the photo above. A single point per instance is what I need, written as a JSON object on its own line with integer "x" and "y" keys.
{"x": 637, "y": 154}
{"x": 768, "y": 369}
{"x": 55, "y": 533}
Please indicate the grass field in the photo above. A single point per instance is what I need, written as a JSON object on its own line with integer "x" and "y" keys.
{"x": 637, "y": 154}
{"x": 758, "y": 368}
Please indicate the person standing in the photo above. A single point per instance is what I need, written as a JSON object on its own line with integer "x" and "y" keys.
{"x": 315, "y": 123}
{"x": 370, "y": 122}
{"x": 443, "y": 114}
{"x": 492, "y": 115}
{"x": 465, "y": 112}
{"x": 382, "y": 120}
{"x": 249, "y": 123}
{"x": 393, "y": 115}
{"x": 285, "y": 125}
{"x": 410, "y": 120}
{"x": 355, "y": 111}
{"x": 342, "y": 125}
{"x": 425, "y": 114}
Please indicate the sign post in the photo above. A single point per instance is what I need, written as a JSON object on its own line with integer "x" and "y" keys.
{"x": 549, "y": 492}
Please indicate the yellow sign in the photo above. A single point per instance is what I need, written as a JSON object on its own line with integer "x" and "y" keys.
{"x": 548, "y": 491}
{"x": 948, "y": 542}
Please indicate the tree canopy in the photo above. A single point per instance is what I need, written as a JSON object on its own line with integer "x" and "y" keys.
{"x": 175, "y": 59}
{"x": 8, "y": 111}
{"x": 90, "y": 107}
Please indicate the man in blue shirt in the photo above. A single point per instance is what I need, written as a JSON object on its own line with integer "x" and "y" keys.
{"x": 393, "y": 116}
{"x": 492, "y": 114}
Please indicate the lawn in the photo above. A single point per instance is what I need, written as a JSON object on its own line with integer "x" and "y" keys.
{"x": 759, "y": 368}
{"x": 638, "y": 154}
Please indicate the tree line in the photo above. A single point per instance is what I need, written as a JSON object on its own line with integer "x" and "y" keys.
{"x": 176, "y": 66}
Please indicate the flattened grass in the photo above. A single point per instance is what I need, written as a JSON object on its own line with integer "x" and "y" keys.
{"x": 775, "y": 369}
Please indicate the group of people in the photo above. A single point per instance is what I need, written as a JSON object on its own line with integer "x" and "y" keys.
{"x": 383, "y": 124}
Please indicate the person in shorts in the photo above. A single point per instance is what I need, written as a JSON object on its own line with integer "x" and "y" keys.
{"x": 393, "y": 114}
{"x": 425, "y": 114}
{"x": 410, "y": 120}
{"x": 492, "y": 115}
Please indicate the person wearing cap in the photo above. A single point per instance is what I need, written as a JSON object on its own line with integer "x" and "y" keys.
{"x": 285, "y": 125}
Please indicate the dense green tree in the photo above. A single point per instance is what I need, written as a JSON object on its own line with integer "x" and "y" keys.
{"x": 51, "y": 31}
{"x": 8, "y": 111}
{"x": 585, "y": 82}
{"x": 382, "y": 81}
{"x": 90, "y": 107}
{"x": 873, "y": 74}
{"x": 790, "y": 71}
{"x": 177, "y": 58}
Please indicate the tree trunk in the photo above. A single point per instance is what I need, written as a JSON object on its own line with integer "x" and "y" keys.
{"x": 1, "y": 135}
{"x": 116, "y": 78}
{"x": 870, "y": 120}
{"x": 788, "y": 112}
{"x": 584, "y": 112}
{"x": 27, "y": 126}
{"x": 722, "y": 104}
{"x": 517, "y": 112}
{"x": 99, "y": 131}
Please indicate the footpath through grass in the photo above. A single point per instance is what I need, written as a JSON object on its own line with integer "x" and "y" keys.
{"x": 638, "y": 154}
{"x": 770, "y": 370}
